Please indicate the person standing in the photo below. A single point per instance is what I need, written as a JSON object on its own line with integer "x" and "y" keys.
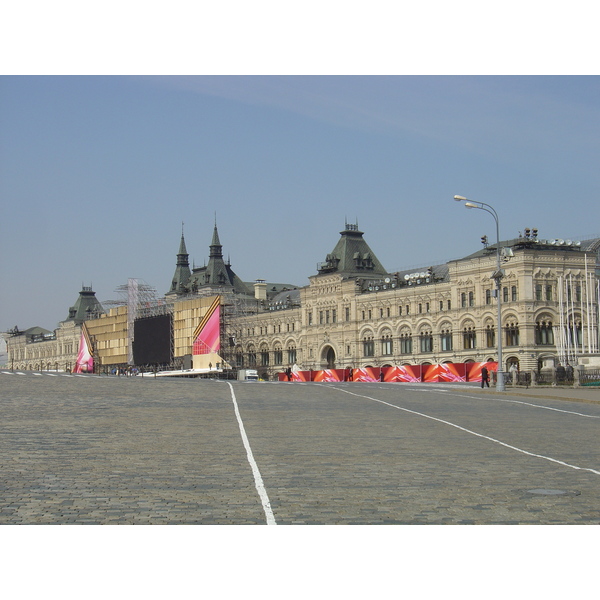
{"x": 485, "y": 377}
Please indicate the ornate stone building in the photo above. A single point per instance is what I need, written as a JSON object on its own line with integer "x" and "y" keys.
{"x": 355, "y": 314}
{"x": 38, "y": 349}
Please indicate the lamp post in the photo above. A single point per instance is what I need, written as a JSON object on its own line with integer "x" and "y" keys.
{"x": 497, "y": 275}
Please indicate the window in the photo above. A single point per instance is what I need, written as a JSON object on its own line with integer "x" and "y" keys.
{"x": 449, "y": 305}
{"x": 544, "y": 335}
{"x": 408, "y": 309}
{"x": 505, "y": 294}
{"x": 574, "y": 331}
{"x": 251, "y": 358}
{"x": 399, "y": 311}
{"x": 264, "y": 358}
{"x": 291, "y": 355}
{"x": 538, "y": 291}
{"x": 406, "y": 343}
{"x": 488, "y": 296}
{"x": 368, "y": 347}
{"x": 347, "y": 313}
{"x": 389, "y": 312}
{"x": 490, "y": 336}
{"x": 326, "y": 316}
{"x": 310, "y": 317}
{"x": 427, "y": 307}
{"x": 420, "y": 308}
{"x": 441, "y": 305}
{"x": 278, "y": 356}
{"x": 513, "y": 292}
{"x": 387, "y": 345}
{"x": 549, "y": 293}
{"x": 512, "y": 334}
{"x": 446, "y": 340}
{"x": 469, "y": 338}
{"x": 426, "y": 340}
{"x": 471, "y": 299}
{"x": 334, "y": 316}
{"x": 320, "y": 317}
{"x": 463, "y": 300}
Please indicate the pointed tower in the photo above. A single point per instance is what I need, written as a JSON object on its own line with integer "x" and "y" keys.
{"x": 86, "y": 307}
{"x": 217, "y": 274}
{"x": 352, "y": 256}
{"x": 179, "y": 285}
{"x": 216, "y": 270}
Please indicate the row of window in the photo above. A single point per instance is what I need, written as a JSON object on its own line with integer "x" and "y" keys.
{"x": 263, "y": 358}
{"x": 20, "y": 354}
{"x": 467, "y": 299}
{"x": 544, "y": 336}
{"x": 276, "y": 328}
{"x": 425, "y": 341}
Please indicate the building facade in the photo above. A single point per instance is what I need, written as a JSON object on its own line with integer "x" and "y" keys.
{"x": 354, "y": 314}
{"x": 39, "y": 349}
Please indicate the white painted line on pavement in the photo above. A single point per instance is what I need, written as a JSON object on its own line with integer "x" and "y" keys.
{"x": 414, "y": 412}
{"x": 570, "y": 412}
{"x": 258, "y": 482}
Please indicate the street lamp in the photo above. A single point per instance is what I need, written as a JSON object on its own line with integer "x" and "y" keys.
{"x": 497, "y": 275}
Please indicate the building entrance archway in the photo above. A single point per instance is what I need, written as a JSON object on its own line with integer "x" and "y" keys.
{"x": 328, "y": 357}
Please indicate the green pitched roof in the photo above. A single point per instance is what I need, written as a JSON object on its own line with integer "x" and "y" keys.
{"x": 352, "y": 256}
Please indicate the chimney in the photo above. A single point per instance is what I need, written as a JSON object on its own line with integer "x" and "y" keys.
{"x": 260, "y": 289}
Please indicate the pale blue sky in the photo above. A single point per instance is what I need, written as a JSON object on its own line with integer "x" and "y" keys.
{"x": 97, "y": 174}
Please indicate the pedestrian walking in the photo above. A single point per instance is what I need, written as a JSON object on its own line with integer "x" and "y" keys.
{"x": 485, "y": 377}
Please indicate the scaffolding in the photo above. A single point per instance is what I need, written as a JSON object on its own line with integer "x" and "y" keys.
{"x": 142, "y": 302}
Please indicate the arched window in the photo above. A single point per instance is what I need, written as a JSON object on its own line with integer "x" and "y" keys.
{"x": 574, "y": 330}
{"x": 405, "y": 342}
{"x": 512, "y": 333}
{"x": 490, "y": 336}
{"x": 469, "y": 338}
{"x": 446, "y": 338}
{"x": 544, "y": 335}
{"x": 291, "y": 352}
{"x": 426, "y": 341}
{"x": 251, "y": 356}
{"x": 368, "y": 345}
{"x": 387, "y": 344}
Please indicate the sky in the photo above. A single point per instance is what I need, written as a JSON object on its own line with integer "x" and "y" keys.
{"x": 98, "y": 173}
{"x": 283, "y": 121}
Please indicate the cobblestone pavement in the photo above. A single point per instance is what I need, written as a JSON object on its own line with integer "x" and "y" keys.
{"x": 110, "y": 450}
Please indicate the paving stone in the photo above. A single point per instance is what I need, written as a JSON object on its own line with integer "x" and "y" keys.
{"x": 102, "y": 450}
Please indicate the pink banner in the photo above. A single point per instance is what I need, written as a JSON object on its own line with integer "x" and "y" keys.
{"x": 366, "y": 374}
{"x": 474, "y": 370}
{"x": 85, "y": 361}
{"x": 208, "y": 340}
{"x": 329, "y": 375}
{"x": 447, "y": 372}
{"x": 405, "y": 373}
